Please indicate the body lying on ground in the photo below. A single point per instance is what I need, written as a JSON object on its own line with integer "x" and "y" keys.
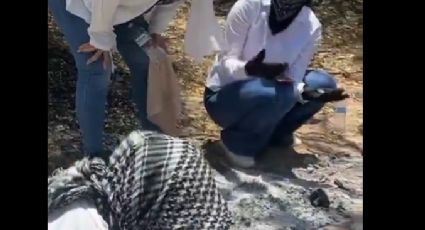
{"x": 152, "y": 181}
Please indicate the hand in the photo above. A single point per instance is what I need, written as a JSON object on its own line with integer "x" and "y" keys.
{"x": 256, "y": 67}
{"x": 88, "y": 48}
{"x": 159, "y": 41}
{"x": 324, "y": 95}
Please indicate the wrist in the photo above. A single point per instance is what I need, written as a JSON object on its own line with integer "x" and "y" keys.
{"x": 300, "y": 90}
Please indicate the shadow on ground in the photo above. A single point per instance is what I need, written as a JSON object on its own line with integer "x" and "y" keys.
{"x": 274, "y": 163}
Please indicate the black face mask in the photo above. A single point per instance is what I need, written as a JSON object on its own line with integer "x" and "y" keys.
{"x": 283, "y": 12}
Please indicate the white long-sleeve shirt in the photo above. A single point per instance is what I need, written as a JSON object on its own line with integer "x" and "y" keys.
{"x": 77, "y": 216}
{"x": 203, "y": 35}
{"x": 247, "y": 32}
{"x": 102, "y": 15}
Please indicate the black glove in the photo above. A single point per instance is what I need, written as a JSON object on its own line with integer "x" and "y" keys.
{"x": 324, "y": 95}
{"x": 256, "y": 67}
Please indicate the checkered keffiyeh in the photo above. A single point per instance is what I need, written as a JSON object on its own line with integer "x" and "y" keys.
{"x": 153, "y": 181}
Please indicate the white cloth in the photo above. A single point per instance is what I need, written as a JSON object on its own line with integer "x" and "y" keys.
{"x": 77, "y": 216}
{"x": 247, "y": 32}
{"x": 102, "y": 15}
{"x": 204, "y": 35}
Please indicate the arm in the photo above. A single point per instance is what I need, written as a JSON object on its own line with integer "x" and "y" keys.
{"x": 80, "y": 215}
{"x": 237, "y": 26}
{"x": 162, "y": 14}
{"x": 101, "y": 25}
{"x": 297, "y": 70}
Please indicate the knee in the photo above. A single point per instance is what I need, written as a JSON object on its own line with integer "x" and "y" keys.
{"x": 93, "y": 76}
{"x": 95, "y": 68}
{"x": 320, "y": 79}
{"x": 286, "y": 95}
{"x": 281, "y": 101}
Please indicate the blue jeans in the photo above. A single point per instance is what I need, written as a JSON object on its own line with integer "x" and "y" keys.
{"x": 257, "y": 112}
{"x": 93, "y": 80}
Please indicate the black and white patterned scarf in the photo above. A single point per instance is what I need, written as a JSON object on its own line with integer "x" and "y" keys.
{"x": 283, "y": 12}
{"x": 153, "y": 181}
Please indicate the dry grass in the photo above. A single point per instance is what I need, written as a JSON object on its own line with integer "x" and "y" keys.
{"x": 340, "y": 54}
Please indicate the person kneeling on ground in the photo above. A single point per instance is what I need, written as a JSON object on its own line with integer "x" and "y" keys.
{"x": 260, "y": 91}
{"x": 153, "y": 181}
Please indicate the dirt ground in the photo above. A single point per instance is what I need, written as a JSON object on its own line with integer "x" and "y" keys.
{"x": 323, "y": 158}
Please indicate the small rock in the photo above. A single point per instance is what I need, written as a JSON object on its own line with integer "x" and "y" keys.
{"x": 340, "y": 185}
{"x": 310, "y": 169}
{"x": 341, "y": 207}
{"x": 324, "y": 164}
{"x": 323, "y": 179}
{"x": 346, "y": 154}
{"x": 318, "y": 198}
{"x": 60, "y": 128}
{"x": 247, "y": 223}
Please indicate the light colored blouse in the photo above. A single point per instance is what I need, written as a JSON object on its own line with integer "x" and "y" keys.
{"x": 203, "y": 35}
{"x": 247, "y": 32}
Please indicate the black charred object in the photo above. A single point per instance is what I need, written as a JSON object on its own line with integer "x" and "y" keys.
{"x": 319, "y": 198}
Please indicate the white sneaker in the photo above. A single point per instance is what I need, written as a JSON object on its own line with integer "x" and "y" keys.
{"x": 238, "y": 160}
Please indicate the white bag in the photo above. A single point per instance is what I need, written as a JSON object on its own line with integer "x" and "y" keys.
{"x": 203, "y": 35}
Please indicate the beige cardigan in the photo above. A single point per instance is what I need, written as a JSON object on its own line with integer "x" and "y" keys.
{"x": 163, "y": 100}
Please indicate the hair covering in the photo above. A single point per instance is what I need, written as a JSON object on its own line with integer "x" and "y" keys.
{"x": 153, "y": 181}
{"x": 283, "y": 12}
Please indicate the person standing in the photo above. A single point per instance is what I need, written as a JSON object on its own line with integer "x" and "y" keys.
{"x": 93, "y": 28}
